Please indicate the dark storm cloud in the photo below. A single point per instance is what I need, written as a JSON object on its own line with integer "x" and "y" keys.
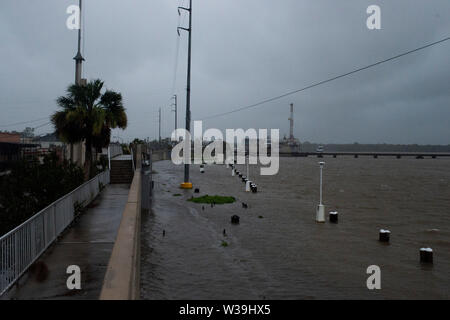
{"x": 243, "y": 52}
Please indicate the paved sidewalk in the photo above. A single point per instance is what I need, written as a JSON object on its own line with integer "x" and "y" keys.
{"x": 87, "y": 244}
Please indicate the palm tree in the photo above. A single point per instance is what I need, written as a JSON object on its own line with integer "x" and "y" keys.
{"x": 88, "y": 115}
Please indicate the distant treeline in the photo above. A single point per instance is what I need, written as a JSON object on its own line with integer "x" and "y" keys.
{"x": 356, "y": 147}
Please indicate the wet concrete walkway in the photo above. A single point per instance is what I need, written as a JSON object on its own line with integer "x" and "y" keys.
{"x": 88, "y": 244}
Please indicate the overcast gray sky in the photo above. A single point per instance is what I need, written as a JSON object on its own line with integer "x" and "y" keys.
{"x": 244, "y": 51}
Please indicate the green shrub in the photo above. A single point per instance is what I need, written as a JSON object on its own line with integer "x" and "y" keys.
{"x": 213, "y": 199}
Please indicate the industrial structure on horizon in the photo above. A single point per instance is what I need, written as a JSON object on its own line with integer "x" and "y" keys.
{"x": 291, "y": 144}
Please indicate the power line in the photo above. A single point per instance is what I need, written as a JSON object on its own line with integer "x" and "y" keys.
{"x": 24, "y": 122}
{"x": 14, "y": 103}
{"x": 325, "y": 81}
{"x": 42, "y": 125}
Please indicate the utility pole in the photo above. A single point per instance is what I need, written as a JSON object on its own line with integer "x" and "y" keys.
{"x": 186, "y": 184}
{"x": 159, "y": 125}
{"x": 175, "y": 110}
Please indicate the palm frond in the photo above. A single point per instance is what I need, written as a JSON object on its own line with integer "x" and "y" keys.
{"x": 66, "y": 102}
{"x": 115, "y": 111}
{"x": 98, "y": 120}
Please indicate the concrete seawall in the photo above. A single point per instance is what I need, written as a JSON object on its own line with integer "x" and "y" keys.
{"x": 122, "y": 276}
{"x": 122, "y": 279}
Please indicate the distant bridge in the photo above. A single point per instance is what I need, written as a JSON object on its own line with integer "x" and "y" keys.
{"x": 398, "y": 155}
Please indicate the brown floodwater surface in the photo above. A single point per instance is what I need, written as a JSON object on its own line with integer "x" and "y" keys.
{"x": 278, "y": 251}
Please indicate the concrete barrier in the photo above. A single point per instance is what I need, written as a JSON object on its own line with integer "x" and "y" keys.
{"x": 122, "y": 275}
{"x": 159, "y": 155}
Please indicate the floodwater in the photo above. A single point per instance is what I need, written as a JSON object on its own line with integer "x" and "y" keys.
{"x": 278, "y": 251}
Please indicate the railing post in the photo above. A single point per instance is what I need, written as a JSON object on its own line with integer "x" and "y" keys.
{"x": 45, "y": 228}
{"x": 16, "y": 255}
{"x": 33, "y": 239}
{"x": 54, "y": 222}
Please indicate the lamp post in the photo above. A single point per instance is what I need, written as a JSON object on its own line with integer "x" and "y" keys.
{"x": 247, "y": 184}
{"x": 78, "y": 57}
{"x": 77, "y": 148}
{"x": 320, "y": 211}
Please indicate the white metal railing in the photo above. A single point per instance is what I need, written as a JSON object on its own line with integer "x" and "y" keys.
{"x": 115, "y": 149}
{"x": 22, "y": 246}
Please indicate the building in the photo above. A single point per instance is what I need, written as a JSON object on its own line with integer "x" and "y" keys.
{"x": 10, "y": 137}
{"x": 50, "y": 142}
{"x": 11, "y": 152}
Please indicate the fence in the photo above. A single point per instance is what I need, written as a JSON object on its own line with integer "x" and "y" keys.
{"x": 21, "y": 247}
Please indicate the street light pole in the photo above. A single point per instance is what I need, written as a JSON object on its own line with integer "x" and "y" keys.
{"x": 78, "y": 68}
{"x": 78, "y": 57}
{"x": 320, "y": 212}
{"x": 247, "y": 183}
{"x": 186, "y": 184}
{"x": 321, "y": 167}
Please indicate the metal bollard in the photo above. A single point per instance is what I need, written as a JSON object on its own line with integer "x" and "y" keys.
{"x": 384, "y": 235}
{"x": 333, "y": 217}
{"x": 426, "y": 255}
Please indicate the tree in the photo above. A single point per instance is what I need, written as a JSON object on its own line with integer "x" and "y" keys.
{"x": 31, "y": 186}
{"x": 88, "y": 115}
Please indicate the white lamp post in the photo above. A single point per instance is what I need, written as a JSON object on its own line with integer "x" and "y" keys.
{"x": 320, "y": 213}
{"x": 247, "y": 184}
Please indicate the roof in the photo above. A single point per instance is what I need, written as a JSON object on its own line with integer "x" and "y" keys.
{"x": 51, "y": 137}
